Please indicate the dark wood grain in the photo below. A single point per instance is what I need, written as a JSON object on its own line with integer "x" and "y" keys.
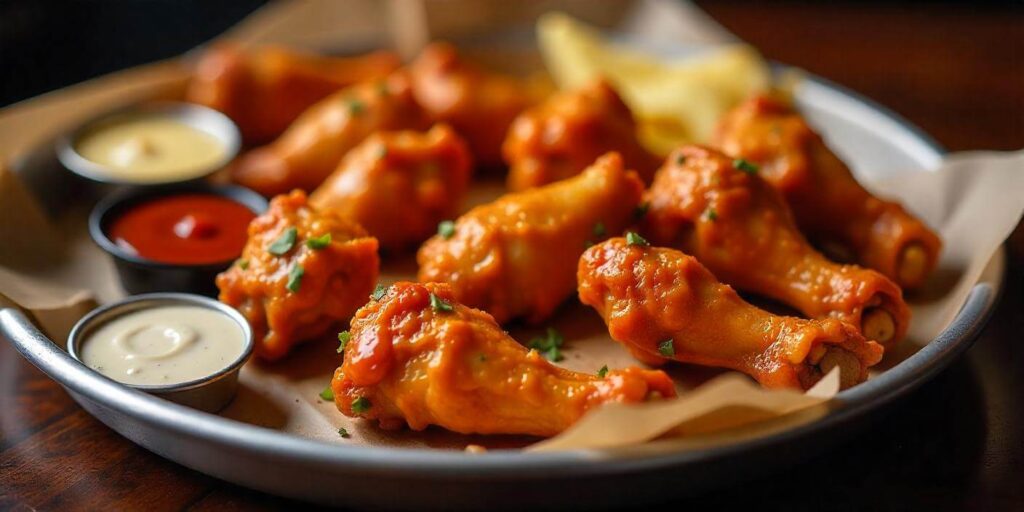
{"x": 957, "y": 443}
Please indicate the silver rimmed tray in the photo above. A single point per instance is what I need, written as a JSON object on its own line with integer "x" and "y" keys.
{"x": 868, "y": 136}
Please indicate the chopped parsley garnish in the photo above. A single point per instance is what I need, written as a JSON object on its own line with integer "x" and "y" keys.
{"x": 641, "y": 210}
{"x": 379, "y": 292}
{"x": 295, "y": 278}
{"x": 382, "y": 88}
{"x": 633, "y": 238}
{"x": 343, "y": 338}
{"x": 327, "y": 394}
{"x": 603, "y": 371}
{"x": 242, "y": 263}
{"x": 712, "y": 214}
{"x": 343, "y": 432}
{"x": 440, "y": 305}
{"x": 680, "y": 159}
{"x": 382, "y": 151}
{"x": 599, "y": 229}
{"x": 361, "y": 405}
{"x": 446, "y": 229}
{"x": 666, "y": 348}
{"x": 744, "y": 166}
{"x": 549, "y": 345}
{"x": 284, "y": 243}
{"x": 319, "y": 242}
{"x": 356, "y": 107}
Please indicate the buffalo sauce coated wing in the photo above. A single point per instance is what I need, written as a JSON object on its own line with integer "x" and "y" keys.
{"x": 305, "y": 154}
{"x": 562, "y": 136}
{"x": 663, "y": 304}
{"x": 478, "y": 104}
{"x": 516, "y": 257}
{"x": 829, "y": 205}
{"x": 418, "y": 357}
{"x": 264, "y": 89}
{"x": 399, "y": 185}
{"x": 301, "y": 272}
{"x": 737, "y": 225}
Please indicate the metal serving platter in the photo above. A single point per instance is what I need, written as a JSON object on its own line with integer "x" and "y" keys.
{"x": 869, "y": 137}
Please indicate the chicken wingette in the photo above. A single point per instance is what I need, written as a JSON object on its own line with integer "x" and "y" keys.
{"x": 720, "y": 211}
{"x": 830, "y": 206}
{"x": 399, "y": 185}
{"x": 264, "y": 89}
{"x": 516, "y": 257}
{"x": 664, "y": 305}
{"x": 480, "y": 105}
{"x": 560, "y": 137}
{"x": 313, "y": 146}
{"x": 301, "y": 273}
{"x": 416, "y": 357}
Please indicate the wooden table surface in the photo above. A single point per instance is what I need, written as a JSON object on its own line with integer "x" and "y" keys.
{"x": 957, "y": 443}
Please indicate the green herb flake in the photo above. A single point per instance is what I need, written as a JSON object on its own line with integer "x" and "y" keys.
{"x": 446, "y": 229}
{"x": 666, "y": 348}
{"x": 242, "y": 263}
{"x": 599, "y": 230}
{"x": 343, "y": 338}
{"x": 382, "y": 151}
{"x": 382, "y": 88}
{"x": 712, "y": 215}
{"x": 603, "y": 371}
{"x": 379, "y": 292}
{"x": 319, "y": 242}
{"x": 549, "y": 345}
{"x": 327, "y": 394}
{"x": 295, "y": 278}
{"x": 356, "y": 107}
{"x": 440, "y": 305}
{"x": 680, "y": 159}
{"x": 633, "y": 238}
{"x": 361, "y": 405}
{"x": 641, "y": 210}
{"x": 745, "y": 166}
{"x": 343, "y": 432}
{"x": 284, "y": 243}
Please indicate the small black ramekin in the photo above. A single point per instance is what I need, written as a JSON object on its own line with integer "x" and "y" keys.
{"x": 142, "y": 275}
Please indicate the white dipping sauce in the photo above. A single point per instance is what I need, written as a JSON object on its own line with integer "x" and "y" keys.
{"x": 163, "y": 345}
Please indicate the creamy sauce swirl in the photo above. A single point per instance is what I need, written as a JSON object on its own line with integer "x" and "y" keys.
{"x": 164, "y": 345}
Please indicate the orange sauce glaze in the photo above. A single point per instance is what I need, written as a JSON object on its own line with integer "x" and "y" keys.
{"x": 186, "y": 229}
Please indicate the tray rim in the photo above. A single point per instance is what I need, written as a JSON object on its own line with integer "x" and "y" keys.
{"x": 425, "y": 463}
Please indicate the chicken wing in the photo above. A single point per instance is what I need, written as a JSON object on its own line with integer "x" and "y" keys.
{"x": 305, "y": 154}
{"x": 264, "y": 89}
{"x": 830, "y": 206}
{"x": 478, "y": 104}
{"x": 399, "y": 185}
{"x": 563, "y": 135}
{"x": 301, "y": 272}
{"x": 418, "y": 357}
{"x": 664, "y": 304}
{"x": 735, "y": 223}
{"x": 516, "y": 257}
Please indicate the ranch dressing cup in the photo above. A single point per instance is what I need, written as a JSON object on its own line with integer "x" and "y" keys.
{"x": 185, "y": 348}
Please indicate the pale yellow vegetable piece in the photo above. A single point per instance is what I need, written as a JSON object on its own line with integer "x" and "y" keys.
{"x": 675, "y": 101}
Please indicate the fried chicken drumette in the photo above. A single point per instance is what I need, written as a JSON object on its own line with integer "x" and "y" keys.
{"x": 664, "y": 305}
{"x": 302, "y": 272}
{"x": 418, "y": 357}
{"x": 560, "y": 137}
{"x": 720, "y": 211}
{"x": 830, "y": 206}
{"x": 516, "y": 257}
{"x": 399, "y": 185}
{"x": 313, "y": 146}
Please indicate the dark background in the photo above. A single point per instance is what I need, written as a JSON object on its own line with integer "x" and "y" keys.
{"x": 954, "y": 68}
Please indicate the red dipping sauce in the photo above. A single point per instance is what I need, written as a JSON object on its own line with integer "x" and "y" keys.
{"x": 185, "y": 229}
